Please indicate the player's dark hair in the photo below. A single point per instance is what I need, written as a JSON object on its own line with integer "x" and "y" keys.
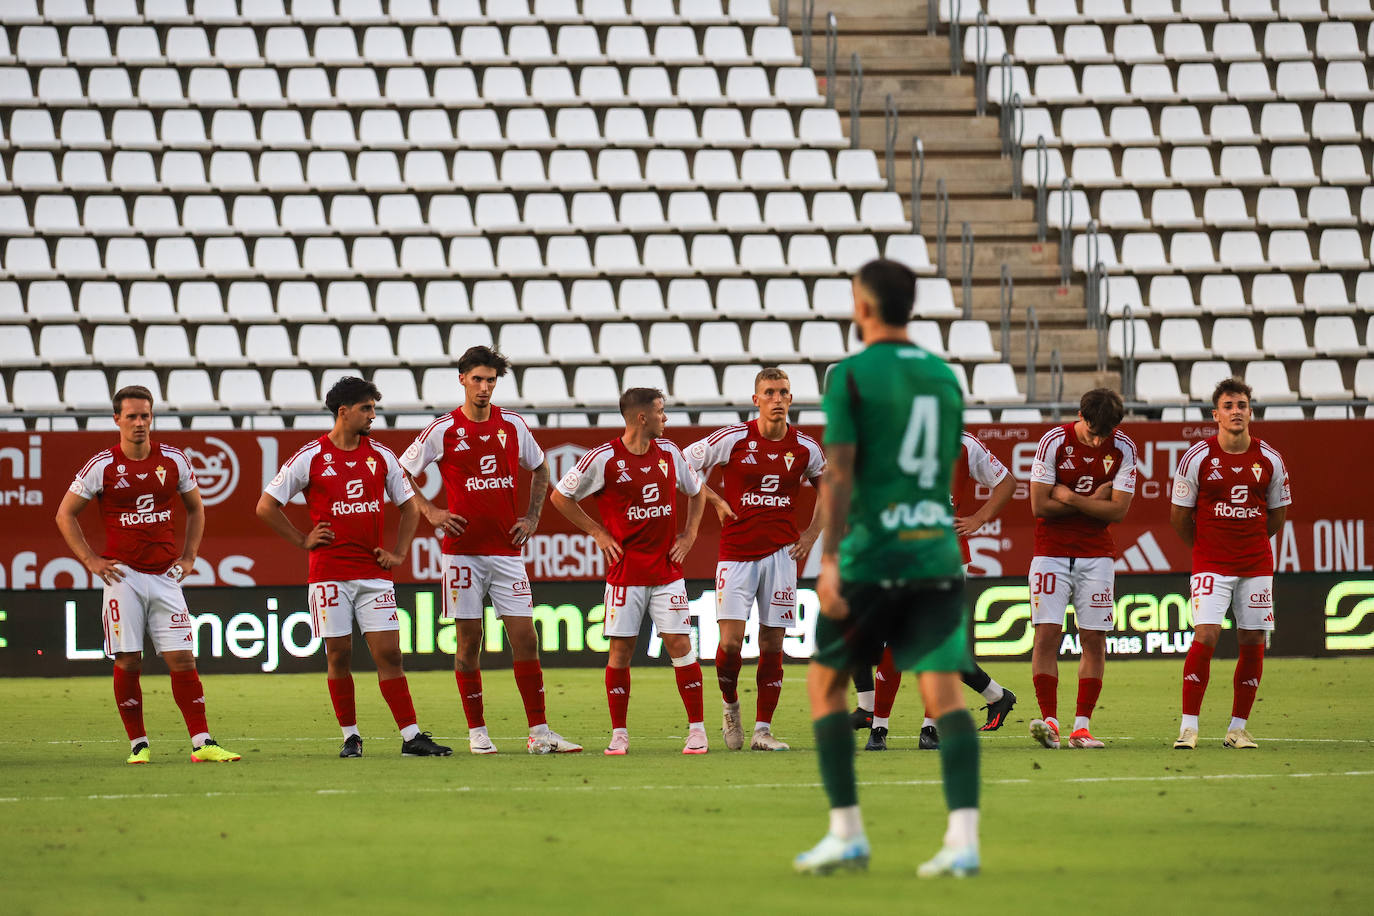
{"x": 893, "y": 286}
{"x": 130, "y": 392}
{"x": 1102, "y": 409}
{"x": 348, "y": 391}
{"x": 770, "y": 374}
{"x": 483, "y": 356}
{"x": 1231, "y": 385}
{"x": 638, "y": 399}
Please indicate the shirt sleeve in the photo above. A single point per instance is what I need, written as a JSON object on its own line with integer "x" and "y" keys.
{"x": 1279, "y": 494}
{"x": 425, "y": 450}
{"x": 1124, "y": 481}
{"x": 397, "y": 486}
{"x": 706, "y": 453}
{"x": 293, "y": 477}
{"x": 1046, "y": 453}
{"x": 839, "y": 412}
{"x": 531, "y": 455}
{"x": 186, "y": 475}
{"x": 688, "y": 480}
{"x": 983, "y": 465}
{"x": 1185, "y": 482}
{"x": 586, "y": 478}
{"x": 90, "y": 480}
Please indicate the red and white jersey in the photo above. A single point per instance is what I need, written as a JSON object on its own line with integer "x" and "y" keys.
{"x": 762, "y": 481}
{"x": 136, "y": 503}
{"x": 1232, "y": 495}
{"x": 1061, "y": 458}
{"x": 347, "y": 490}
{"x": 976, "y": 465}
{"x": 637, "y": 496}
{"x": 478, "y": 461}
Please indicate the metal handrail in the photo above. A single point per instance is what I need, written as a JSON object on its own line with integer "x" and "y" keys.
{"x": 1018, "y": 151}
{"x": 941, "y": 229}
{"x": 1056, "y": 381}
{"x": 932, "y": 16}
{"x": 808, "y": 10}
{"x": 966, "y": 251}
{"x": 832, "y": 44}
{"x": 918, "y": 178}
{"x": 1006, "y": 292}
{"x": 856, "y": 95}
{"x": 1032, "y": 350}
{"x": 980, "y": 71}
{"x": 956, "y": 50}
{"x": 1127, "y": 353}
{"x": 782, "y": 12}
{"x": 1065, "y": 221}
{"x": 1042, "y": 179}
{"x": 1003, "y": 124}
{"x": 890, "y": 146}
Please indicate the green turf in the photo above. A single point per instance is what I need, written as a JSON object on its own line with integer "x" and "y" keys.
{"x": 1137, "y": 827}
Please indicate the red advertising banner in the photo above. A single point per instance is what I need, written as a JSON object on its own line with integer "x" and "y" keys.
{"x": 1325, "y": 531}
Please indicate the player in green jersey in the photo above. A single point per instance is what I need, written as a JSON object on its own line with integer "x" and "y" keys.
{"x": 891, "y": 568}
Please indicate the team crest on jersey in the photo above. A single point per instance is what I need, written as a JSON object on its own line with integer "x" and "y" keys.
{"x": 1215, "y": 461}
{"x": 1256, "y": 469}
{"x": 328, "y": 457}
{"x": 663, "y": 466}
{"x": 462, "y": 432}
{"x": 161, "y": 473}
{"x": 1068, "y": 449}
{"x": 787, "y": 459}
{"x": 328, "y": 472}
{"x": 620, "y": 464}
{"x": 501, "y": 437}
{"x": 1107, "y": 462}
{"x": 371, "y": 464}
{"x": 120, "y": 469}
{"x": 753, "y": 446}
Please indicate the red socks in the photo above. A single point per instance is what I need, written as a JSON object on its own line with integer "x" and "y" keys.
{"x": 190, "y": 699}
{"x": 128, "y": 695}
{"x": 1047, "y": 695}
{"x": 396, "y": 692}
{"x": 885, "y": 685}
{"x": 618, "y": 695}
{"x": 470, "y": 689}
{"x": 769, "y": 678}
{"x": 1249, "y": 668}
{"x": 1089, "y": 688}
{"x": 1197, "y": 668}
{"x": 341, "y": 694}
{"x": 727, "y": 674}
{"x": 689, "y": 686}
{"x": 529, "y": 679}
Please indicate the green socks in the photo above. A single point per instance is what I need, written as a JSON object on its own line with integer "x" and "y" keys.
{"x": 835, "y": 750}
{"x": 958, "y": 759}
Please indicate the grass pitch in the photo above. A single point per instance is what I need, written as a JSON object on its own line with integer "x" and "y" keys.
{"x": 1137, "y": 827}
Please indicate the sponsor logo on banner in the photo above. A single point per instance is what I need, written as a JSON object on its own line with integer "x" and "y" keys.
{"x": 1349, "y": 616}
{"x": 216, "y": 467}
{"x": 17, "y": 464}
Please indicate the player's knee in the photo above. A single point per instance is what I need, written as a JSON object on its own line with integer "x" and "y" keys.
{"x": 770, "y": 639}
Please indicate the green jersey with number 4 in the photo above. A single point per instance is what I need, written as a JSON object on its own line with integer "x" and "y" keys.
{"x": 902, "y": 409}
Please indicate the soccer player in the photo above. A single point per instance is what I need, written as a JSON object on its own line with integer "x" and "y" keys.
{"x": 766, "y": 461}
{"x": 480, "y": 449}
{"x": 1231, "y": 495}
{"x": 1082, "y": 480}
{"x": 345, "y": 475}
{"x": 890, "y": 564}
{"x": 141, "y": 569}
{"x": 635, "y": 480}
{"x": 976, "y": 465}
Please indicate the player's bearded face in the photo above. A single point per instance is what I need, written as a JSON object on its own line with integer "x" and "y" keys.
{"x": 358, "y": 417}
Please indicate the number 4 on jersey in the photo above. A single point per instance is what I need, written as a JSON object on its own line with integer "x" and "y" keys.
{"x": 918, "y": 457}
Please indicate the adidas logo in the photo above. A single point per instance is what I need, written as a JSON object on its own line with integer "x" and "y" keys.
{"x": 1215, "y": 475}
{"x": 624, "y": 477}
{"x": 200, "y": 700}
{"x": 473, "y": 696}
{"x": 1144, "y": 555}
{"x": 1253, "y": 682}
{"x": 618, "y": 692}
{"x": 122, "y": 485}
{"x": 329, "y": 472}
{"x": 129, "y": 703}
{"x": 1192, "y": 677}
{"x": 748, "y": 459}
{"x": 1067, "y": 465}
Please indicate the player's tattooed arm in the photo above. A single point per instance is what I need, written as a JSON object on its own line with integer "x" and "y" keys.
{"x": 195, "y": 530}
{"x": 524, "y": 528}
{"x": 836, "y": 487}
{"x": 1182, "y": 519}
{"x": 405, "y": 534}
{"x": 439, "y": 518}
{"x": 106, "y": 570}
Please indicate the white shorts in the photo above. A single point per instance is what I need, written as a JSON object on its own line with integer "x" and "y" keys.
{"x": 146, "y": 602}
{"x": 666, "y": 604}
{"x": 1088, "y": 583}
{"x": 467, "y": 580}
{"x": 770, "y": 581}
{"x": 335, "y": 605}
{"x": 1250, "y": 600}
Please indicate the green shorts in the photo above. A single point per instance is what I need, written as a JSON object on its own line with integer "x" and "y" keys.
{"x": 924, "y": 622}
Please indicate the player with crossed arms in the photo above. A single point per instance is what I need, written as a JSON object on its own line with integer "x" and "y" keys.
{"x": 1231, "y": 495}
{"x": 766, "y": 461}
{"x": 480, "y": 449}
{"x": 135, "y": 482}
{"x": 345, "y": 475}
{"x": 635, "y": 480}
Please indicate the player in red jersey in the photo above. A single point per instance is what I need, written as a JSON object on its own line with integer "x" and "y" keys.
{"x": 766, "y": 461}
{"x": 141, "y": 568}
{"x": 635, "y": 480}
{"x": 1082, "y": 480}
{"x": 1231, "y": 495}
{"x": 346, "y": 477}
{"x": 976, "y": 465}
{"x": 480, "y": 449}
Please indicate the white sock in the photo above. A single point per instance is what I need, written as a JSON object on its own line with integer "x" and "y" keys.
{"x": 410, "y": 731}
{"x": 474, "y": 732}
{"x": 880, "y": 721}
{"x": 1080, "y": 722}
{"x": 730, "y": 707}
{"x": 1188, "y": 722}
{"x": 992, "y": 692}
{"x": 1236, "y": 723}
{"x": 137, "y": 741}
{"x": 539, "y": 731}
{"x": 927, "y": 722}
{"x": 763, "y": 726}
{"x": 866, "y": 700}
{"x": 620, "y": 732}
{"x": 963, "y": 828}
{"x": 846, "y": 823}
{"x": 198, "y": 740}
{"x": 349, "y": 731}
{"x": 696, "y": 726}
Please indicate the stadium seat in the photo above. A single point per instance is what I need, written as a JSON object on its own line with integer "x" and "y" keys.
{"x": 1269, "y": 379}
{"x": 1157, "y": 382}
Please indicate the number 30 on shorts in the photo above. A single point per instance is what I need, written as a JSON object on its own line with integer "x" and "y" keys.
{"x": 1044, "y": 583}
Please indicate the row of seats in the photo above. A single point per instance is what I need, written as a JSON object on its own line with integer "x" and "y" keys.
{"x": 1283, "y": 337}
{"x": 1012, "y": 12}
{"x": 176, "y": 128}
{"x": 341, "y": 46}
{"x": 411, "y": 87}
{"x": 1182, "y": 125}
{"x": 1222, "y": 208}
{"x": 1143, "y": 166}
{"x": 1223, "y": 294}
{"x": 1318, "y": 380}
{"x": 1237, "y": 250}
{"x": 1059, "y": 84}
{"x": 451, "y": 214}
{"x": 621, "y": 342}
{"x": 403, "y": 301}
{"x": 401, "y": 12}
{"x": 1182, "y": 42}
{"x": 282, "y": 171}
{"x": 664, "y": 254}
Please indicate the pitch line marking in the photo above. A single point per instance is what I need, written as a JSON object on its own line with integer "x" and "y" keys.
{"x": 673, "y": 738}
{"x": 445, "y": 790}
